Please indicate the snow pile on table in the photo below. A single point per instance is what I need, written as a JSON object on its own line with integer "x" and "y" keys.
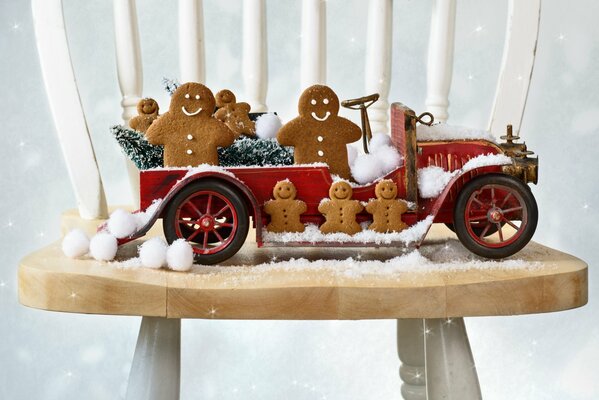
{"x": 312, "y": 234}
{"x": 442, "y": 131}
{"x": 433, "y": 180}
{"x": 382, "y": 159}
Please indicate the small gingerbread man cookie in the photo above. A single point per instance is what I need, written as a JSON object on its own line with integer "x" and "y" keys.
{"x": 284, "y": 210}
{"x": 187, "y": 131}
{"x": 386, "y": 209}
{"x": 234, "y": 115}
{"x": 319, "y": 134}
{"x": 147, "y": 110}
{"x": 340, "y": 212}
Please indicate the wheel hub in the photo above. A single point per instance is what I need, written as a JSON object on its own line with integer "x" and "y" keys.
{"x": 495, "y": 215}
{"x": 207, "y": 222}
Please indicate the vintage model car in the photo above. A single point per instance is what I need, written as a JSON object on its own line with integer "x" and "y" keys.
{"x": 488, "y": 204}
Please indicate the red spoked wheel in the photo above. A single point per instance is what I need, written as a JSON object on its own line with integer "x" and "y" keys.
{"x": 495, "y": 215}
{"x": 212, "y": 216}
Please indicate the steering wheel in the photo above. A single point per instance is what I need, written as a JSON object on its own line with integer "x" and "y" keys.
{"x": 361, "y": 102}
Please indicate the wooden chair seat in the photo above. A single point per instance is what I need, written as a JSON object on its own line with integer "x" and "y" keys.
{"x": 556, "y": 281}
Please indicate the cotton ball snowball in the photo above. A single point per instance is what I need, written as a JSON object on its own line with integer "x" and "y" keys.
{"x": 122, "y": 224}
{"x": 267, "y": 126}
{"x": 388, "y": 157}
{"x": 103, "y": 246}
{"x": 366, "y": 168}
{"x": 179, "y": 255}
{"x": 152, "y": 253}
{"x": 379, "y": 140}
{"x": 352, "y": 153}
{"x": 75, "y": 244}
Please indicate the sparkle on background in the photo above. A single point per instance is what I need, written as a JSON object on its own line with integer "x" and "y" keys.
{"x": 561, "y": 37}
{"x": 479, "y": 29}
{"x": 585, "y": 206}
{"x": 212, "y": 311}
{"x": 470, "y": 77}
{"x": 2, "y": 284}
{"x": 21, "y": 144}
{"x": 73, "y": 295}
{"x": 9, "y": 224}
{"x": 16, "y": 26}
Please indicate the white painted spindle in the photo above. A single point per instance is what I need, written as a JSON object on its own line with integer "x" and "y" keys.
{"x": 191, "y": 41}
{"x": 378, "y": 61}
{"x": 440, "y": 58}
{"x": 410, "y": 348}
{"x": 129, "y": 71}
{"x": 65, "y": 105}
{"x": 255, "y": 64}
{"x": 517, "y": 65}
{"x": 450, "y": 369}
{"x": 313, "y": 51}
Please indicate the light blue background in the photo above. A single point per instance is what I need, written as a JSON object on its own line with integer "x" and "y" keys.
{"x": 66, "y": 356}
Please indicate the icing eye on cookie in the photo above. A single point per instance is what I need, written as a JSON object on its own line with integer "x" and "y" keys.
{"x": 187, "y": 95}
{"x": 326, "y": 101}
{"x": 197, "y": 96}
{"x": 313, "y": 102}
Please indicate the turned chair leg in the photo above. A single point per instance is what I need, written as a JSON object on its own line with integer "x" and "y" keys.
{"x": 410, "y": 348}
{"x": 450, "y": 369}
{"x": 155, "y": 371}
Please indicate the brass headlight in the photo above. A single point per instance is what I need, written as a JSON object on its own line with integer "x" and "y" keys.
{"x": 522, "y": 167}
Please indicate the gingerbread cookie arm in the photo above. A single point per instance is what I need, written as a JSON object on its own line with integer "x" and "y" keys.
{"x": 349, "y": 131}
{"x": 224, "y": 137}
{"x": 356, "y": 206}
{"x": 302, "y": 207}
{"x": 221, "y": 114}
{"x": 371, "y": 206}
{"x": 324, "y": 207}
{"x": 287, "y": 135}
{"x": 159, "y": 128}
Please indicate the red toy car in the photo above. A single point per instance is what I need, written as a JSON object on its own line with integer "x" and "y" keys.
{"x": 490, "y": 207}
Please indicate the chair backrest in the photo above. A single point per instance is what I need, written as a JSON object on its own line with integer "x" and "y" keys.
{"x": 69, "y": 118}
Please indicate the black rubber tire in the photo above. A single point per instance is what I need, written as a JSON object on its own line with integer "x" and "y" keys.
{"x": 530, "y": 205}
{"x": 236, "y": 199}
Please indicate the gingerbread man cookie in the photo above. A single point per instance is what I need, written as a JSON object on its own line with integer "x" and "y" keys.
{"x": 386, "y": 209}
{"x": 234, "y": 115}
{"x": 284, "y": 210}
{"x": 340, "y": 212}
{"x": 187, "y": 131}
{"x": 147, "y": 110}
{"x": 319, "y": 134}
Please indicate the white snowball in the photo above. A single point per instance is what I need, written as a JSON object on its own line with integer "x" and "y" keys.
{"x": 75, "y": 244}
{"x": 379, "y": 140}
{"x": 152, "y": 253}
{"x": 103, "y": 246}
{"x": 352, "y": 153}
{"x": 366, "y": 168}
{"x": 179, "y": 255}
{"x": 389, "y": 158}
{"x": 122, "y": 223}
{"x": 267, "y": 126}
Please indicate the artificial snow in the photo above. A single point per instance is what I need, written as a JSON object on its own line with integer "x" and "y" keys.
{"x": 312, "y": 234}
{"x": 206, "y": 168}
{"x": 352, "y": 154}
{"x": 267, "y": 126}
{"x": 378, "y": 140}
{"x": 143, "y": 217}
{"x": 75, "y": 244}
{"x": 432, "y": 180}
{"x": 103, "y": 246}
{"x": 121, "y": 224}
{"x": 152, "y": 253}
{"x": 442, "y": 131}
{"x": 381, "y": 160}
{"x": 179, "y": 255}
{"x": 486, "y": 160}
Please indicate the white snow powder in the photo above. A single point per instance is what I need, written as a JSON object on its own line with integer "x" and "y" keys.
{"x": 312, "y": 234}
{"x": 485, "y": 161}
{"x": 442, "y": 131}
{"x": 432, "y": 180}
{"x": 143, "y": 217}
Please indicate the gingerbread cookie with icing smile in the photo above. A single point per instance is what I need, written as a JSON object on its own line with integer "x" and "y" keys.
{"x": 340, "y": 211}
{"x": 386, "y": 209}
{"x": 318, "y": 133}
{"x": 188, "y": 132}
{"x": 147, "y": 110}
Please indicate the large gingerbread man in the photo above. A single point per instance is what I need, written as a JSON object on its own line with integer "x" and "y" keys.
{"x": 386, "y": 209}
{"x": 340, "y": 211}
{"x": 284, "y": 210}
{"x": 188, "y": 132}
{"x": 319, "y": 134}
{"x": 147, "y": 112}
{"x": 234, "y": 115}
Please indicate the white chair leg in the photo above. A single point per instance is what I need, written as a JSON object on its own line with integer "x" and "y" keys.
{"x": 155, "y": 371}
{"x": 410, "y": 348}
{"x": 450, "y": 369}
